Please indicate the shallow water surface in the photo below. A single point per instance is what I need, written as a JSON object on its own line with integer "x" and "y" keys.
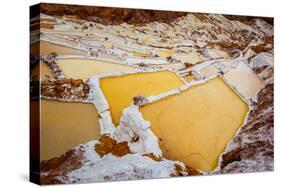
{"x": 245, "y": 80}
{"x": 47, "y": 48}
{"x": 85, "y": 68}
{"x": 65, "y": 125}
{"x": 120, "y": 91}
{"x": 196, "y": 125}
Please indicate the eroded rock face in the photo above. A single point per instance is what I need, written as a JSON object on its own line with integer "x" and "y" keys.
{"x": 252, "y": 149}
{"x": 110, "y": 16}
{"x": 107, "y": 15}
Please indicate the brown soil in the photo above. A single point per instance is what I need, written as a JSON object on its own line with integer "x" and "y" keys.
{"x": 109, "y": 145}
{"x": 108, "y": 15}
{"x": 61, "y": 166}
{"x": 114, "y": 16}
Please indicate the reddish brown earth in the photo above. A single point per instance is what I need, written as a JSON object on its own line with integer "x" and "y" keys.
{"x": 113, "y": 16}
{"x": 110, "y": 16}
{"x": 61, "y": 166}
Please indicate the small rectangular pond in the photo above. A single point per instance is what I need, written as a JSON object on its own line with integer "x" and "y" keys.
{"x": 47, "y": 48}
{"x": 85, "y": 68}
{"x": 244, "y": 79}
{"x": 65, "y": 125}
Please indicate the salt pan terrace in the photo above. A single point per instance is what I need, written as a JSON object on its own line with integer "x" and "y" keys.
{"x": 193, "y": 126}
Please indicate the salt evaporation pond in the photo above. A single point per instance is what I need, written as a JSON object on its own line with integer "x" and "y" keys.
{"x": 85, "y": 68}
{"x": 245, "y": 80}
{"x": 120, "y": 91}
{"x": 65, "y": 125}
{"x": 46, "y": 48}
{"x": 196, "y": 125}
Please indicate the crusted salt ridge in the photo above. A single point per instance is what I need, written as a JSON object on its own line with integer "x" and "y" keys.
{"x": 128, "y": 167}
{"x": 132, "y": 124}
{"x": 111, "y": 168}
{"x": 216, "y": 62}
{"x": 131, "y": 60}
{"x": 152, "y": 99}
{"x": 96, "y": 58}
{"x": 96, "y": 95}
{"x": 234, "y": 63}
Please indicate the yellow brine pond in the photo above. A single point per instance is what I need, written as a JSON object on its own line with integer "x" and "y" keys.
{"x": 85, "y": 68}
{"x": 65, "y": 125}
{"x": 47, "y": 48}
{"x": 196, "y": 125}
{"x": 120, "y": 91}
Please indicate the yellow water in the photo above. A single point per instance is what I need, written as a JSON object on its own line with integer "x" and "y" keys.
{"x": 119, "y": 91}
{"x": 85, "y": 68}
{"x": 65, "y": 125}
{"x": 244, "y": 79}
{"x": 196, "y": 125}
{"x": 47, "y": 48}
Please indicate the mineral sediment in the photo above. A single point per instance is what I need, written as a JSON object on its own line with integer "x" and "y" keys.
{"x": 64, "y": 88}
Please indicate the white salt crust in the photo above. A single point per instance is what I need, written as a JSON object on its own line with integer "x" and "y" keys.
{"x": 111, "y": 168}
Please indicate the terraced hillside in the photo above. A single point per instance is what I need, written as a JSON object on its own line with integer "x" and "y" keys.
{"x": 136, "y": 94}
